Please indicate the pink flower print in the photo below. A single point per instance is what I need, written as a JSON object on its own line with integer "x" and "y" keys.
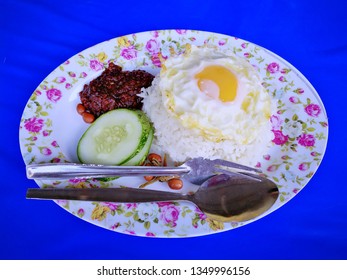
{"x": 272, "y": 167}
{"x": 129, "y": 53}
{"x": 273, "y": 67}
{"x": 72, "y": 74}
{"x": 296, "y": 190}
{"x": 53, "y": 94}
{"x": 201, "y": 215}
{"x": 44, "y": 87}
{"x": 248, "y": 55}
{"x": 304, "y": 166}
{"x": 68, "y": 85}
{"x": 267, "y": 157}
{"x": 62, "y": 202}
{"x": 55, "y": 144}
{"x": 33, "y": 125}
{"x": 306, "y": 140}
{"x": 244, "y": 45}
{"x": 222, "y": 42}
{"x": 150, "y": 234}
{"x": 285, "y": 71}
{"x": 111, "y": 206}
{"x": 276, "y": 122}
{"x": 66, "y": 62}
{"x": 45, "y": 151}
{"x": 155, "y": 34}
{"x": 181, "y": 31}
{"x": 83, "y": 75}
{"x": 282, "y": 79}
{"x": 96, "y": 65}
{"x": 45, "y": 133}
{"x": 258, "y": 165}
{"x": 313, "y": 110}
{"x": 115, "y": 226}
{"x": 169, "y": 215}
{"x": 280, "y": 138}
{"x": 80, "y": 212}
{"x": 299, "y": 91}
{"x": 38, "y": 93}
{"x": 59, "y": 80}
{"x": 294, "y": 100}
{"x": 130, "y": 205}
{"x": 56, "y": 160}
{"x": 164, "y": 203}
{"x": 324, "y": 124}
{"x": 156, "y": 60}
{"x": 152, "y": 46}
{"x": 77, "y": 180}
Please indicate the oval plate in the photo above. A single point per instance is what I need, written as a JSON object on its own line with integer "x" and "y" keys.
{"x": 50, "y": 129}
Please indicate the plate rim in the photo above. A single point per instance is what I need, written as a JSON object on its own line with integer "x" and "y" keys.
{"x": 279, "y": 58}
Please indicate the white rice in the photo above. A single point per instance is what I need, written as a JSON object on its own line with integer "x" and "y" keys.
{"x": 181, "y": 143}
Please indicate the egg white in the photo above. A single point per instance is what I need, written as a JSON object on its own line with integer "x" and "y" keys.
{"x": 207, "y": 115}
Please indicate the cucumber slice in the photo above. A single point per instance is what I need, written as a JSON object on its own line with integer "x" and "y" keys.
{"x": 115, "y": 137}
{"x": 141, "y": 156}
{"x": 137, "y": 159}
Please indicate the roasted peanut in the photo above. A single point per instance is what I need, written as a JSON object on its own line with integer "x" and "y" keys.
{"x": 175, "y": 184}
{"x": 88, "y": 117}
{"x": 155, "y": 159}
{"x": 148, "y": 177}
{"x": 80, "y": 109}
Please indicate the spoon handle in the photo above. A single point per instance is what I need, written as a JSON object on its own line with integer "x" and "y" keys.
{"x": 105, "y": 194}
{"x": 72, "y": 170}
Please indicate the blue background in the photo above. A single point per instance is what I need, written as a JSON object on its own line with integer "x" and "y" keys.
{"x": 37, "y": 36}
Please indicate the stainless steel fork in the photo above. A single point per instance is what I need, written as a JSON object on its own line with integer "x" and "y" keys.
{"x": 196, "y": 170}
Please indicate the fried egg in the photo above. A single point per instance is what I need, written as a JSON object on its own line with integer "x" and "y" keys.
{"x": 216, "y": 94}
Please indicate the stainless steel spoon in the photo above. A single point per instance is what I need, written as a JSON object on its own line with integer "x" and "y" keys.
{"x": 222, "y": 197}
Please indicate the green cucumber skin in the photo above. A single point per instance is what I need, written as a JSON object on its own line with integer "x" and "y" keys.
{"x": 139, "y": 158}
{"x": 107, "y": 179}
{"x": 146, "y": 130}
{"x": 143, "y": 122}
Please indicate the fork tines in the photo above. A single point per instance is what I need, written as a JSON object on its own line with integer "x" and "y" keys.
{"x": 236, "y": 166}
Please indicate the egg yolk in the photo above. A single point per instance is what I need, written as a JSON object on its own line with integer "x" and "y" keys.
{"x": 217, "y": 82}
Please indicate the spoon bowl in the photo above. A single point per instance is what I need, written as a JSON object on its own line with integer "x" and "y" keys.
{"x": 235, "y": 198}
{"x": 221, "y": 197}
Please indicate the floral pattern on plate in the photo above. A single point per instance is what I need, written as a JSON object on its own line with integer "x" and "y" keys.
{"x": 299, "y": 126}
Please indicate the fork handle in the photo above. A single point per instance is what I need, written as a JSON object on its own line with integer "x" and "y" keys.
{"x": 72, "y": 170}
